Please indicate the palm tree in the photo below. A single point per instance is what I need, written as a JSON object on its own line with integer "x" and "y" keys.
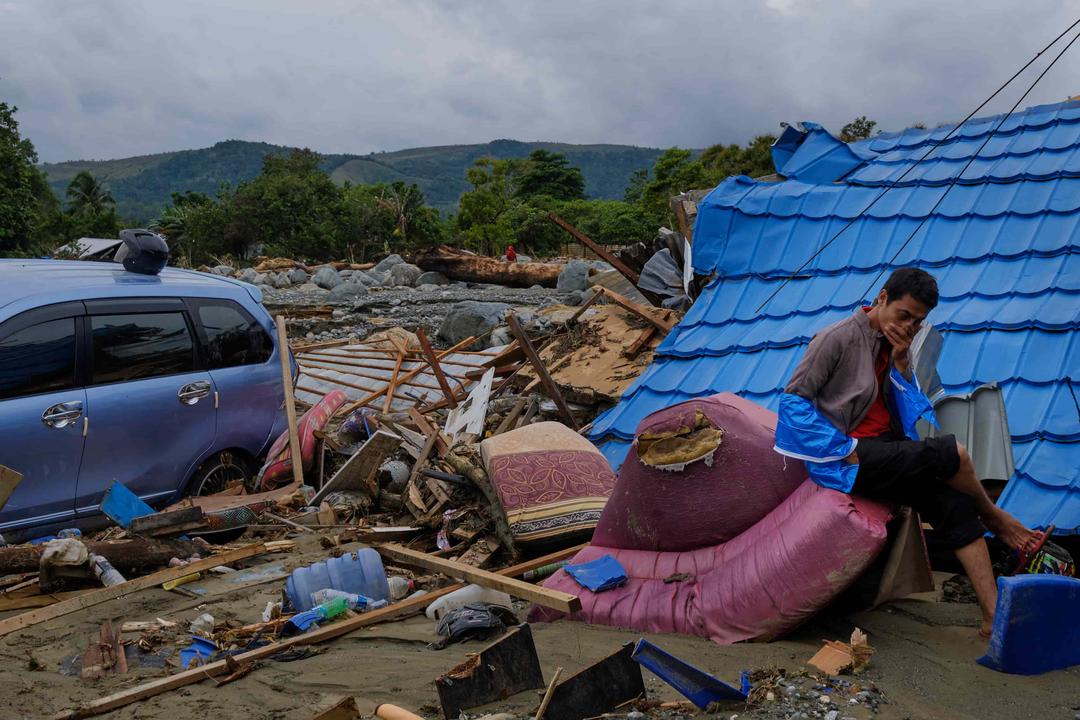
{"x": 86, "y": 196}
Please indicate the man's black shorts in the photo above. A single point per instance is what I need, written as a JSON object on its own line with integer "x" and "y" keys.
{"x": 914, "y": 473}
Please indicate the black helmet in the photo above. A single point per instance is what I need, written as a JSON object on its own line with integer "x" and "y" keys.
{"x": 142, "y": 251}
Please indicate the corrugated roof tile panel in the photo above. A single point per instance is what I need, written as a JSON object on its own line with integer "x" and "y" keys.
{"x": 1004, "y": 245}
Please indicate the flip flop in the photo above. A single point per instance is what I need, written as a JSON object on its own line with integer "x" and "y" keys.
{"x": 1032, "y": 547}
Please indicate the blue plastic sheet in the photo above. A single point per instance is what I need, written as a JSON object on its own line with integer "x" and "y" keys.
{"x": 603, "y": 573}
{"x": 1035, "y": 625}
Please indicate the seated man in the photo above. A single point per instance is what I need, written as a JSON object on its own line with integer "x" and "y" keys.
{"x": 850, "y": 409}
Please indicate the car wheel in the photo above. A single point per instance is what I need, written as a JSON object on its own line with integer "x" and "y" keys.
{"x": 220, "y": 472}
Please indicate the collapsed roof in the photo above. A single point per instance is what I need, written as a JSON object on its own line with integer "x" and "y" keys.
{"x": 1003, "y": 245}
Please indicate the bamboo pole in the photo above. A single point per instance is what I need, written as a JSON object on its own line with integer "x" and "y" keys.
{"x": 290, "y": 402}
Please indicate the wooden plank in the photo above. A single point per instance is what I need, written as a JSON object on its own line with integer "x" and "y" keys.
{"x": 584, "y": 306}
{"x": 433, "y": 362}
{"x": 600, "y": 250}
{"x": 599, "y": 688}
{"x": 662, "y": 319}
{"x": 290, "y": 403}
{"x": 96, "y": 597}
{"x": 639, "y": 344}
{"x": 397, "y": 611}
{"x": 169, "y": 522}
{"x": 9, "y": 480}
{"x": 564, "y": 602}
{"x": 541, "y": 372}
{"x": 393, "y": 383}
{"x": 512, "y": 416}
{"x": 505, "y": 667}
{"x": 354, "y": 473}
{"x": 426, "y": 429}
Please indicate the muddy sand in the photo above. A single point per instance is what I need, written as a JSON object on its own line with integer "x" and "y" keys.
{"x": 924, "y": 663}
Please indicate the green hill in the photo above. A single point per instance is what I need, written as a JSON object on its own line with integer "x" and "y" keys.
{"x": 143, "y": 185}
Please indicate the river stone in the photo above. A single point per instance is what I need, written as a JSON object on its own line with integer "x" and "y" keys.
{"x": 298, "y": 276}
{"x": 224, "y": 270}
{"x": 326, "y": 277}
{"x": 471, "y": 317}
{"x": 346, "y": 291}
{"x": 388, "y": 262}
{"x": 248, "y": 275}
{"x": 281, "y": 281}
{"x": 575, "y": 276}
{"x": 404, "y": 274}
{"x": 432, "y": 278}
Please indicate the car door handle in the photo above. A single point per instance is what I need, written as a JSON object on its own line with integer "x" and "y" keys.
{"x": 63, "y": 414}
{"x": 193, "y": 392}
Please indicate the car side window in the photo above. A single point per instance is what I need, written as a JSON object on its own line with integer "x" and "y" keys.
{"x": 232, "y": 337}
{"x": 38, "y": 359}
{"x": 140, "y": 345}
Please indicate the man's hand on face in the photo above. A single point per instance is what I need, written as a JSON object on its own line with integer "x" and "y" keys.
{"x": 900, "y": 339}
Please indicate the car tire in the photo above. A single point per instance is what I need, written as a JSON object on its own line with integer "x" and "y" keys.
{"x": 219, "y": 471}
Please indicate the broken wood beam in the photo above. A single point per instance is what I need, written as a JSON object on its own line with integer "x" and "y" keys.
{"x": 397, "y": 611}
{"x": 663, "y": 320}
{"x": 599, "y": 688}
{"x": 96, "y": 597}
{"x": 584, "y": 306}
{"x": 124, "y": 555}
{"x": 433, "y": 363}
{"x": 290, "y": 403}
{"x": 555, "y": 599}
{"x": 512, "y": 416}
{"x": 541, "y": 372}
{"x": 475, "y": 268}
{"x": 600, "y": 250}
{"x": 639, "y": 344}
{"x": 169, "y": 522}
{"x": 505, "y": 667}
{"x": 393, "y": 383}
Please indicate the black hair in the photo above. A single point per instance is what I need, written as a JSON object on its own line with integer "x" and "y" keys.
{"x": 915, "y": 282}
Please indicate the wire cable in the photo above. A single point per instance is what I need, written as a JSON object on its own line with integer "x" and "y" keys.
{"x": 927, "y": 154}
{"x": 974, "y": 156}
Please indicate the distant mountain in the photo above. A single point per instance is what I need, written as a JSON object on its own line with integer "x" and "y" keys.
{"x": 142, "y": 185}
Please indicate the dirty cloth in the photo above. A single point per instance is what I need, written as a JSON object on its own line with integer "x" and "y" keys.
{"x": 551, "y": 482}
{"x": 715, "y": 496}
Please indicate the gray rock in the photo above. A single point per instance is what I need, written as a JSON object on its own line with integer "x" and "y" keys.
{"x": 404, "y": 274}
{"x": 576, "y": 298}
{"x": 346, "y": 273}
{"x": 832, "y": 715}
{"x": 575, "y": 276}
{"x": 378, "y": 278}
{"x": 298, "y": 276}
{"x": 600, "y": 266}
{"x": 428, "y": 287}
{"x": 262, "y": 279}
{"x": 326, "y": 277}
{"x": 536, "y": 288}
{"x": 346, "y": 291}
{"x": 248, "y": 275}
{"x": 281, "y": 281}
{"x": 387, "y": 262}
{"x": 524, "y": 258}
{"x": 222, "y": 270}
{"x": 310, "y": 287}
{"x": 432, "y": 278}
{"x": 363, "y": 278}
{"x": 500, "y": 336}
{"x": 471, "y": 317}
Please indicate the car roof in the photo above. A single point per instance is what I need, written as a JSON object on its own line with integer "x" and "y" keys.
{"x": 26, "y": 284}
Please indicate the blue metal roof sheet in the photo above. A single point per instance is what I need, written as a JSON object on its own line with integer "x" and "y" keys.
{"x": 1004, "y": 245}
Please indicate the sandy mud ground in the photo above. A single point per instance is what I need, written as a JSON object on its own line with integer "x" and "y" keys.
{"x": 924, "y": 663}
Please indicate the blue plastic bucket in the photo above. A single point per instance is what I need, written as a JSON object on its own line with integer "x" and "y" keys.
{"x": 361, "y": 573}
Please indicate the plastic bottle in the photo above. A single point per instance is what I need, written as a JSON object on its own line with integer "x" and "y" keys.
{"x": 105, "y": 572}
{"x": 332, "y": 608}
{"x": 360, "y": 603}
{"x": 399, "y": 587}
{"x": 465, "y": 596}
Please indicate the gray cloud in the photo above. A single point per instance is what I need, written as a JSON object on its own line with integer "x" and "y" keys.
{"x": 111, "y": 78}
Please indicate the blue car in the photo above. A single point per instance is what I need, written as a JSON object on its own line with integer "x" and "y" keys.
{"x": 167, "y": 383}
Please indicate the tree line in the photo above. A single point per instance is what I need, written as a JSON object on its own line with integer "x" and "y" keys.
{"x": 294, "y": 209}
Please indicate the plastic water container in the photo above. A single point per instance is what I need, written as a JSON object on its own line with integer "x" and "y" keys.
{"x": 465, "y": 596}
{"x": 360, "y": 573}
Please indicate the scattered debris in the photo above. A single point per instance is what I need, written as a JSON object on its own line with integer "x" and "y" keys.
{"x": 505, "y": 667}
{"x": 836, "y": 657}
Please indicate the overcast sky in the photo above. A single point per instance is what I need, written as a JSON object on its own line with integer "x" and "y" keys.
{"x": 107, "y": 79}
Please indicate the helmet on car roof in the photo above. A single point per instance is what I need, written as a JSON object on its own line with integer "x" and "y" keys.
{"x": 142, "y": 251}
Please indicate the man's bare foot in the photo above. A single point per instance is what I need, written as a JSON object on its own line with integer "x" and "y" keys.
{"x": 1010, "y": 530}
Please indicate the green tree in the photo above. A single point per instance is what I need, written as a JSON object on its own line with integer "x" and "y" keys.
{"x": 858, "y": 129}
{"x": 86, "y": 196}
{"x": 550, "y": 174}
{"x": 484, "y": 213}
{"x": 20, "y": 187}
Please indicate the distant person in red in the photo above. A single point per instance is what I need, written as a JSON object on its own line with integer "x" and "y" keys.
{"x": 511, "y": 254}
